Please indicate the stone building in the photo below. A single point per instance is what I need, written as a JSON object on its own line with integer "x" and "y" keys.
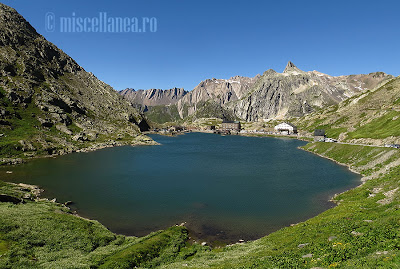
{"x": 286, "y": 128}
{"x": 231, "y": 126}
{"x": 319, "y": 135}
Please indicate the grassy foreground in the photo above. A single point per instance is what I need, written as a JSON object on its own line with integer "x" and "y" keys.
{"x": 363, "y": 231}
{"x": 44, "y": 234}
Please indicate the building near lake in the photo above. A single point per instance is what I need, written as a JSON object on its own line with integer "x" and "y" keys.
{"x": 319, "y": 135}
{"x": 286, "y": 128}
{"x": 176, "y": 128}
{"x": 231, "y": 126}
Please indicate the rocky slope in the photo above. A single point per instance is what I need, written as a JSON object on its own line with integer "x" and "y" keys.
{"x": 369, "y": 117}
{"x": 154, "y": 97}
{"x": 220, "y": 91}
{"x": 206, "y": 99}
{"x": 48, "y": 103}
{"x": 295, "y": 93}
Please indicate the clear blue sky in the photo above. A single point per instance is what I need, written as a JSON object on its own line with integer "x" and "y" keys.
{"x": 196, "y": 40}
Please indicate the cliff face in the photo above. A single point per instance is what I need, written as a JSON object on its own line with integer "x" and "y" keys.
{"x": 47, "y": 101}
{"x": 154, "y": 97}
{"x": 207, "y": 98}
{"x": 220, "y": 91}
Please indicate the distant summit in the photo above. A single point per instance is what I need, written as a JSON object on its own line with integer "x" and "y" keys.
{"x": 291, "y": 68}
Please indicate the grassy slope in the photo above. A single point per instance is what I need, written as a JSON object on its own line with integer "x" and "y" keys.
{"x": 44, "y": 234}
{"x": 21, "y": 126}
{"x": 211, "y": 109}
{"x": 163, "y": 114}
{"x": 372, "y": 114}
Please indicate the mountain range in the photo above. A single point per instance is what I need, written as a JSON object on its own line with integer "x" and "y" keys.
{"x": 154, "y": 97}
{"x": 272, "y": 95}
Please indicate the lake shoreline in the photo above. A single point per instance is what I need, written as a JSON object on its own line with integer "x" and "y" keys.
{"x": 362, "y": 179}
{"x": 189, "y": 227}
{"x": 332, "y": 199}
{"x": 141, "y": 140}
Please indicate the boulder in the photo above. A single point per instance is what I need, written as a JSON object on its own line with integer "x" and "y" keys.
{"x": 10, "y": 199}
{"x": 80, "y": 137}
{"x": 45, "y": 122}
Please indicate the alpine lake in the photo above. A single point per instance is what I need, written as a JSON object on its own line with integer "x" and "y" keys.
{"x": 224, "y": 188}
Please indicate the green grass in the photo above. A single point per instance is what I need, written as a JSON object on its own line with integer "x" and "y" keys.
{"x": 163, "y": 114}
{"x": 334, "y": 132}
{"x": 368, "y": 114}
{"x": 3, "y": 247}
{"x": 330, "y": 131}
{"x": 157, "y": 248}
{"x": 46, "y": 235}
{"x": 23, "y": 126}
{"x": 42, "y": 232}
{"x": 211, "y": 109}
{"x": 353, "y": 155}
{"x": 379, "y": 128}
{"x": 341, "y": 120}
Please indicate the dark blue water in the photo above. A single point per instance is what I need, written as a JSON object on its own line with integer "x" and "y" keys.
{"x": 225, "y": 187}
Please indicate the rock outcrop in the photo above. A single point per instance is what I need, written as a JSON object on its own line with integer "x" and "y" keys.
{"x": 220, "y": 91}
{"x": 154, "y": 97}
{"x": 292, "y": 69}
{"x": 295, "y": 93}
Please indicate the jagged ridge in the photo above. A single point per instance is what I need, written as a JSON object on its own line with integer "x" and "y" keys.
{"x": 154, "y": 97}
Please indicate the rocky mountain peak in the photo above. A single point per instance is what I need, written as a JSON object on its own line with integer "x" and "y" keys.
{"x": 291, "y": 68}
{"x": 13, "y": 26}
{"x": 28, "y": 45}
{"x": 269, "y": 72}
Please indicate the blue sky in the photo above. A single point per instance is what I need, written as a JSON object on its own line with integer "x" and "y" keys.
{"x": 196, "y": 40}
